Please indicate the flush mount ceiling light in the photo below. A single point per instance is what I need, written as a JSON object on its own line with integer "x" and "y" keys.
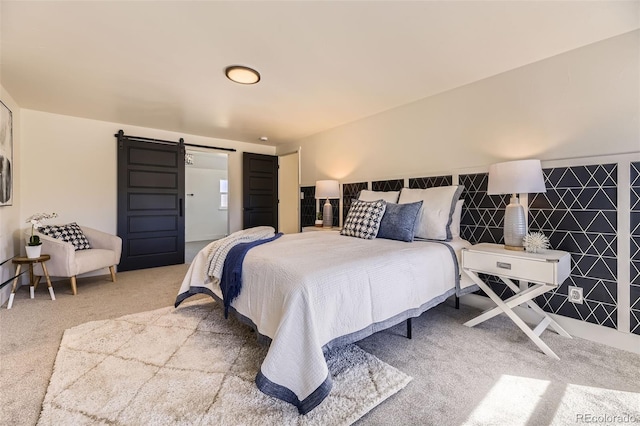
{"x": 242, "y": 75}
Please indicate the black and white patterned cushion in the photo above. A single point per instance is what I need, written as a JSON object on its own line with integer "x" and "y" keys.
{"x": 363, "y": 219}
{"x": 70, "y": 233}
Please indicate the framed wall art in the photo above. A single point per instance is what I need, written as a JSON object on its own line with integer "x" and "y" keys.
{"x": 6, "y": 155}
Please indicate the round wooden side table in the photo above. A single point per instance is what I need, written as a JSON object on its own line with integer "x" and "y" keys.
{"x": 33, "y": 281}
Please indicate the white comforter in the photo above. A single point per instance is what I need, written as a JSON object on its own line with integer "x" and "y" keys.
{"x": 310, "y": 291}
{"x": 205, "y": 271}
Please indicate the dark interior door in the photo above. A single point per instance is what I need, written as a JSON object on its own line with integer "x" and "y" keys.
{"x": 260, "y": 190}
{"x": 150, "y": 203}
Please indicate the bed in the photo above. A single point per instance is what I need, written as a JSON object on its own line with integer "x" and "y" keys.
{"x": 308, "y": 292}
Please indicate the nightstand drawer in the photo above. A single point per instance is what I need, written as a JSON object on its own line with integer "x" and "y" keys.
{"x": 521, "y": 266}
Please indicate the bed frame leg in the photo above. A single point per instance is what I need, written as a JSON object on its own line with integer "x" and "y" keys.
{"x": 457, "y": 302}
{"x": 409, "y": 328}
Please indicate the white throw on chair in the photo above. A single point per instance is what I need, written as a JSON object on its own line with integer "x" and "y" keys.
{"x": 67, "y": 262}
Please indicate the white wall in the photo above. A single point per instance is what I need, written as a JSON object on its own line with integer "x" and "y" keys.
{"x": 585, "y": 102}
{"x": 10, "y": 218}
{"x": 69, "y": 167}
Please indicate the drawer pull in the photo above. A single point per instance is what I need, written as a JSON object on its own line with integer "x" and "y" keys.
{"x": 503, "y": 265}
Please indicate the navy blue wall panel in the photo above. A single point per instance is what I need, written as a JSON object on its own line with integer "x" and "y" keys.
{"x": 579, "y": 215}
{"x": 635, "y": 248}
{"x": 308, "y": 206}
{"x": 350, "y": 192}
{"x": 482, "y": 220}
{"x": 430, "y": 182}
{"x": 387, "y": 185}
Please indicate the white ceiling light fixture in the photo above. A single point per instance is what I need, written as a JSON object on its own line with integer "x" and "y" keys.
{"x": 242, "y": 75}
{"x": 264, "y": 138}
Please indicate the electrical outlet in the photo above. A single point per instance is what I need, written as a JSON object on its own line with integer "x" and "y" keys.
{"x": 575, "y": 295}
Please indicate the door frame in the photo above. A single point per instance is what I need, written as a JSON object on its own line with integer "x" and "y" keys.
{"x": 186, "y": 210}
{"x": 299, "y": 174}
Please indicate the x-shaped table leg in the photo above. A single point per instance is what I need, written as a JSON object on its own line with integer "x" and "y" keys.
{"x": 546, "y": 319}
{"x": 506, "y": 306}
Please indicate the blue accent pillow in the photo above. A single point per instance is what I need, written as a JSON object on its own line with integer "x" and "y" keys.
{"x": 398, "y": 222}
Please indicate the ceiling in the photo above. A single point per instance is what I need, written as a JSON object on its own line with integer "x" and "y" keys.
{"x": 160, "y": 64}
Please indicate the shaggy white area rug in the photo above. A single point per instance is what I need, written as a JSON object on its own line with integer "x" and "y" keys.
{"x": 191, "y": 366}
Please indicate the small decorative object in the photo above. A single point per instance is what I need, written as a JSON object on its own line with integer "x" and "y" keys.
{"x": 535, "y": 242}
{"x": 318, "y": 222}
{"x": 34, "y": 246}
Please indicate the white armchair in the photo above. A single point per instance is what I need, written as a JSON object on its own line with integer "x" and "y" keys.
{"x": 67, "y": 262}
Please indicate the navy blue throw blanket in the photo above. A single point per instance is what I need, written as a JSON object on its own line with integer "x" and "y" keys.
{"x": 231, "y": 280}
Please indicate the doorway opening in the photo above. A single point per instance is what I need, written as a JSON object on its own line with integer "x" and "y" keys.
{"x": 206, "y": 200}
{"x": 289, "y": 192}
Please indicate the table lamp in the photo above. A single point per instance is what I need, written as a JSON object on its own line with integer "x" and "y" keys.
{"x": 515, "y": 177}
{"x": 327, "y": 189}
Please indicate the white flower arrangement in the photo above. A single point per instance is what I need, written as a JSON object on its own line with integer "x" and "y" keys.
{"x": 36, "y": 222}
{"x": 535, "y": 242}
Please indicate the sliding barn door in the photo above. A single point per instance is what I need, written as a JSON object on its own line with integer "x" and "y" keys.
{"x": 150, "y": 203}
{"x": 259, "y": 190}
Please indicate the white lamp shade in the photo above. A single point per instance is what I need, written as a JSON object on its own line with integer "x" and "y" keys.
{"x": 327, "y": 189}
{"x": 516, "y": 177}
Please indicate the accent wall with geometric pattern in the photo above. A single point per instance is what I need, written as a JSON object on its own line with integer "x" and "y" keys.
{"x": 579, "y": 212}
{"x": 350, "y": 192}
{"x": 430, "y": 182}
{"x": 579, "y": 215}
{"x": 634, "y": 265}
{"x": 387, "y": 185}
{"x": 482, "y": 218}
{"x": 482, "y": 221}
{"x": 308, "y": 206}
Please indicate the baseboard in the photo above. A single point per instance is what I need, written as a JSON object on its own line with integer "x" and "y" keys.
{"x": 4, "y": 294}
{"x": 208, "y": 237}
{"x": 576, "y": 328}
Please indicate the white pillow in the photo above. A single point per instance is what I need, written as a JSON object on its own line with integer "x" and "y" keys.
{"x": 455, "y": 220}
{"x": 388, "y": 196}
{"x": 439, "y": 202}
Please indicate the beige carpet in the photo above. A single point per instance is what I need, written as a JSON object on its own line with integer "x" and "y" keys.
{"x": 191, "y": 366}
{"x": 489, "y": 374}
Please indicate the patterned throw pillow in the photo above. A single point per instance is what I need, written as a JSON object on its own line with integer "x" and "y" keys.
{"x": 363, "y": 219}
{"x": 70, "y": 233}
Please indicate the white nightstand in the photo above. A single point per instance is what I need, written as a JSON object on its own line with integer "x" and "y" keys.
{"x": 319, "y": 228}
{"x": 543, "y": 271}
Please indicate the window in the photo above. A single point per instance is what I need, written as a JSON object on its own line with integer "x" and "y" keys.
{"x": 224, "y": 194}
